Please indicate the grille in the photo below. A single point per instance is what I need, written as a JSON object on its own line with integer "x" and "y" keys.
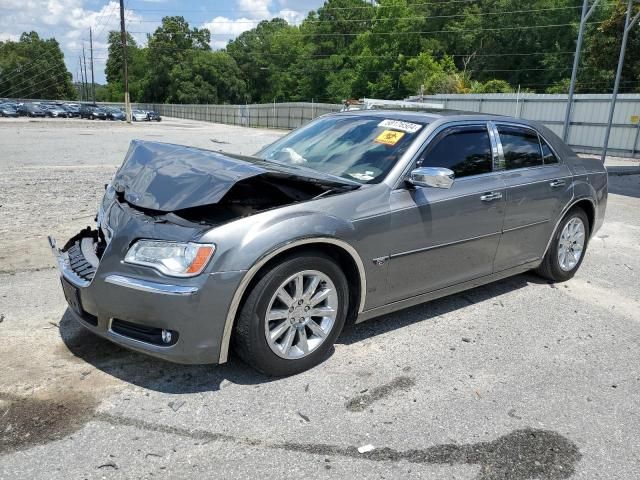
{"x": 79, "y": 263}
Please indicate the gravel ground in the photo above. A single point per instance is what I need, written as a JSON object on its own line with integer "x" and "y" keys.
{"x": 514, "y": 380}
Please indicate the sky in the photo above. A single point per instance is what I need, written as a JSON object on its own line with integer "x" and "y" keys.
{"x": 69, "y": 21}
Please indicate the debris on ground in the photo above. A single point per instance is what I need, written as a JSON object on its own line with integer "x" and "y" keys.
{"x": 366, "y": 448}
{"x": 175, "y": 406}
{"x": 304, "y": 417}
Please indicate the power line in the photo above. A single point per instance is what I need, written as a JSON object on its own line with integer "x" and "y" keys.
{"x": 420, "y": 32}
{"x": 373, "y": 19}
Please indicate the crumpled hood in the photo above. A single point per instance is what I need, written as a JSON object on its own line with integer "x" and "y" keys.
{"x": 165, "y": 177}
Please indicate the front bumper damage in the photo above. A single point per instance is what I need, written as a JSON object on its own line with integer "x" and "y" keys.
{"x": 177, "y": 319}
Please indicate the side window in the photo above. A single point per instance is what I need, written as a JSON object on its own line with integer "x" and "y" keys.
{"x": 521, "y": 147}
{"x": 547, "y": 154}
{"x": 466, "y": 150}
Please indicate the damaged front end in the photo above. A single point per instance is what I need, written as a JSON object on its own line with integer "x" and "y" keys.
{"x": 171, "y": 195}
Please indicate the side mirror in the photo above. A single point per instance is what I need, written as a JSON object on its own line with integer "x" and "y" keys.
{"x": 432, "y": 177}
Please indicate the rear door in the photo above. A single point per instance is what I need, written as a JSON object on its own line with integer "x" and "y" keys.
{"x": 538, "y": 187}
{"x": 441, "y": 237}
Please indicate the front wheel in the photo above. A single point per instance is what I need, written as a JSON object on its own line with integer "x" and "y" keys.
{"x": 568, "y": 245}
{"x": 293, "y": 315}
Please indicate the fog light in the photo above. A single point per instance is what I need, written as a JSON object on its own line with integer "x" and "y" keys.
{"x": 166, "y": 336}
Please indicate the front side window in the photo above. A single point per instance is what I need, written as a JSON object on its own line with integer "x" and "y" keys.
{"x": 521, "y": 147}
{"x": 358, "y": 147}
{"x": 466, "y": 150}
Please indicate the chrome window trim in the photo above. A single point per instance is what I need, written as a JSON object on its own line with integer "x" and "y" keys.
{"x": 150, "y": 287}
{"x": 244, "y": 283}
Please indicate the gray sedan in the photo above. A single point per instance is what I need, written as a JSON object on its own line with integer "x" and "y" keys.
{"x": 352, "y": 216}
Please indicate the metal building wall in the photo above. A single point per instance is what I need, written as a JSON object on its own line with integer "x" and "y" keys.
{"x": 588, "y": 122}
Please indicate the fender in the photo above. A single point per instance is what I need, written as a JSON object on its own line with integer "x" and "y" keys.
{"x": 246, "y": 280}
{"x": 561, "y": 216}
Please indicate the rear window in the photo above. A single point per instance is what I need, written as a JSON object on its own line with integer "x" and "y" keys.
{"x": 521, "y": 147}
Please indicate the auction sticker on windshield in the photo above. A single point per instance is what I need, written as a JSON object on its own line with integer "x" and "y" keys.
{"x": 399, "y": 125}
{"x": 389, "y": 137}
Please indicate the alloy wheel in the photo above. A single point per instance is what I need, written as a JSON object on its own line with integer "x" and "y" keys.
{"x": 301, "y": 314}
{"x": 571, "y": 244}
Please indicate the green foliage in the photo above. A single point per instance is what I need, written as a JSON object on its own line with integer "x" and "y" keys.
{"x": 34, "y": 68}
{"x": 494, "y": 86}
{"x": 387, "y": 49}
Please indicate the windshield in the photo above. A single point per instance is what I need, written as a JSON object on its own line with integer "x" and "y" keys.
{"x": 357, "y": 147}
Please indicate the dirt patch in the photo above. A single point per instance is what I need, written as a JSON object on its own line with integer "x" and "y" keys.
{"x": 360, "y": 403}
{"x": 29, "y": 421}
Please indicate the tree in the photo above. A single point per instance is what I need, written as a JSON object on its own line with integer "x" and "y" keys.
{"x": 34, "y": 68}
{"x": 206, "y": 77}
{"x": 168, "y": 46}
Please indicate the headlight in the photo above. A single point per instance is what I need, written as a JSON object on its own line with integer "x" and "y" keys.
{"x": 171, "y": 258}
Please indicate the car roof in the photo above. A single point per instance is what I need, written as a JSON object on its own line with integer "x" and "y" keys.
{"x": 432, "y": 115}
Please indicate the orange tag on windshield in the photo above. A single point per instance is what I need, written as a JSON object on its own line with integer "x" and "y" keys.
{"x": 389, "y": 137}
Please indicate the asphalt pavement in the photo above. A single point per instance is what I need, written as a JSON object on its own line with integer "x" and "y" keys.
{"x": 520, "y": 379}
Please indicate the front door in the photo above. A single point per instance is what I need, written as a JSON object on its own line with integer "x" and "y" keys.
{"x": 441, "y": 237}
{"x": 538, "y": 188}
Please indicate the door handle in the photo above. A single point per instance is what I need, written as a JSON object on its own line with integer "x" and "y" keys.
{"x": 557, "y": 183}
{"x": 490, "y": 196}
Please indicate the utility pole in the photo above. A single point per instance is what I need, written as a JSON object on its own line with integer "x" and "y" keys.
{"x": 628, "y": 25}
{"x": 93, "y": 83}
{"x": 80, "y": 86}
{"x": 86, "y": 78}
{"x": 83, "y": 85}
{"x": 123, "y": 40}
{"x": 586, "y": 13}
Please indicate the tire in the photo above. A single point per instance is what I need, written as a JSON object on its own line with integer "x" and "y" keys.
{"x": 91, "y": 117}
{"x": 250, "y": 334}
{"x": 551, "y": 267}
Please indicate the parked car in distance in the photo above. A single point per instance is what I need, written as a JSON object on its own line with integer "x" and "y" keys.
{"x": 30, "y": 110}
{"x": 54, "y": 111}
{"x": 352, "y": 216}
{"x": 7, "y": 110}
{"x": 72, "y": 110}
{"x": 114, "y": 113}
{"x": 92, "y": 112}
{"x": 139, "y": 116}
{"x": 153, "y": 116}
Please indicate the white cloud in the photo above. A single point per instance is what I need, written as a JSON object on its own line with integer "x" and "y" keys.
{"x": 224, "y": 29}
{"x": 291, "y": 16}
{"x": 254, "y": 9}
{"x": 69, "y": 22}
{"x": 4, "y": 36}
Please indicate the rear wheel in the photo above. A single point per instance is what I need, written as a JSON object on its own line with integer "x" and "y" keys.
{"x": 293, "y": 315}
{"x": 568, "y": 245}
